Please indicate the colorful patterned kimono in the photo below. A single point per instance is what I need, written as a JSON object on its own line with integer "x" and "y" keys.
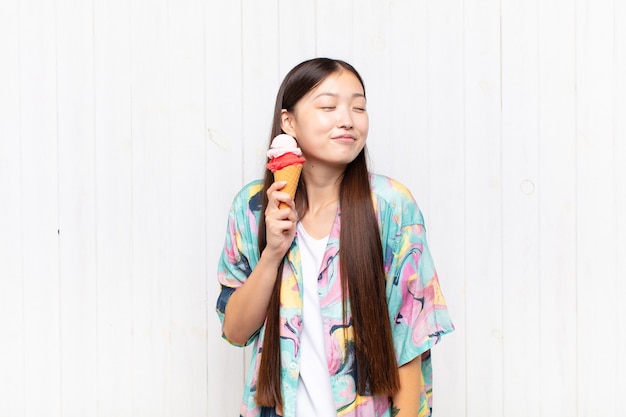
{"x": 417, "y": 310}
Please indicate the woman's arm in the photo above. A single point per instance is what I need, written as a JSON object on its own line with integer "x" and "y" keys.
{"x": 247, "y": 307}
{"x": 406, "y": 402}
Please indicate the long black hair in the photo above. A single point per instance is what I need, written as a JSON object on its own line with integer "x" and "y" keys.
{"x": 361, "y": 268}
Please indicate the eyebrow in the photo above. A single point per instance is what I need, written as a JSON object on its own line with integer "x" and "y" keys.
{"x": 355, "y": 95}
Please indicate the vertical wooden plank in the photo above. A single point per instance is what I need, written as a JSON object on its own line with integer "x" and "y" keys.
{"x": 187, "y": 153}
{"x": 38, "y": 109}
{"x": 557, "y": 208}
{"x": 619, "y": 178}
{"x": 370, "y": 53}
{"x": 596, "y": 208}
{"x": 224, "y": 176}
{"x": 260, "y": 80}
{"x": 11, "y": 283}
{"x": 445, "y": 213}
{"x": 520, "y": 206}
{"x": 333, "y": 29}
{"x": 39, "y": 208}
{"x": 151, "y": 286}
{"x": 296, "y": 33}
{"x": 483, "y": 217}
{"x": 114, "y": 184}
{"x": 76, "y": 153}
{"x": 406, "y": 131}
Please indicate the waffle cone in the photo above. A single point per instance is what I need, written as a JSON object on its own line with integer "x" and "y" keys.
{"x": 291, "y": 174}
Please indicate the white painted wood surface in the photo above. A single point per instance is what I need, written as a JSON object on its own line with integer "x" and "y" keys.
{"x": 557, "y": 373}
{"x": 114, "y": 207}
{"x": 126, "y": 128}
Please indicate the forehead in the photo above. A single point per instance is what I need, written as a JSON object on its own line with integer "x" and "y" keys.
{"x": 340, "y": 83}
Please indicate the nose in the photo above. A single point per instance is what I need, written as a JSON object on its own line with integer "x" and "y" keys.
{"x": 344, "y": 119}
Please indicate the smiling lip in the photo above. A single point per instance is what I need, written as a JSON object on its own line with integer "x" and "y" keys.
{"x": 345, "y": 137}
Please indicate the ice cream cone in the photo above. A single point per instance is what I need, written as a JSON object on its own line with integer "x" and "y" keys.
{"x": 291, "y": 174}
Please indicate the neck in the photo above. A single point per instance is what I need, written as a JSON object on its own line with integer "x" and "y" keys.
{"x": 322, "y": 188}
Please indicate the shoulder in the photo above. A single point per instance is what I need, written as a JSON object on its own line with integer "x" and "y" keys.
{"x": 249, "y": 197}
{"x": 393, "y": 199}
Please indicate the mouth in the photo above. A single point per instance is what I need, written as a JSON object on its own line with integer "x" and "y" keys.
{"x": 350, "y": 138}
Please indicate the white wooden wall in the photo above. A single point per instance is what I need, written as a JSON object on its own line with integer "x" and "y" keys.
{"x": 127, "y": 126}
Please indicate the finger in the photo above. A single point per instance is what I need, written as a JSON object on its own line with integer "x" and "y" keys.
{"x": 275, "y": 196}
{"x": 277, "y": 185}
{"x": 280, "y": 233}
{"x": 283, "y": 200}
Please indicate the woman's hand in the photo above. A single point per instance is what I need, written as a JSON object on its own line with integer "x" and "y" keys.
{"x": 280, "y": 223}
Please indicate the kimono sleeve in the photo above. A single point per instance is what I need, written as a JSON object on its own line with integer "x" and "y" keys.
{"x": 416, "y": 305}
{"x": 240, "y": 252}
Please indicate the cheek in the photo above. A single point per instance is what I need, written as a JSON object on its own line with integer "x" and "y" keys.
{"x": 363, "y": 124}
{"x": 323, "y": 120}
{"x": 309, "y": 133}
{"x": 315, "y": 127}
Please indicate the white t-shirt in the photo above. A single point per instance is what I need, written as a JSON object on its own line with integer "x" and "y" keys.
{"x": 314, "y": 395}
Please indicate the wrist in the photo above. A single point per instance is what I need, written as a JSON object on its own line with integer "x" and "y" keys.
{"x": 270, "y": 260}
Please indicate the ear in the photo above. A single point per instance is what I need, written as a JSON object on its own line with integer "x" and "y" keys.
{"x": 287, "y": 123}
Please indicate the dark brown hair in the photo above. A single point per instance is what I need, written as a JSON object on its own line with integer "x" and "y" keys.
{"x": 361, "y": 268}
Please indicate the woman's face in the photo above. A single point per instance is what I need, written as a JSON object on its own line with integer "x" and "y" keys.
{"x": 330, "y": 123}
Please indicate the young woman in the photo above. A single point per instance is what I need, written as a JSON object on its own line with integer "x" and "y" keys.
{"x": 337, "y": 291}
